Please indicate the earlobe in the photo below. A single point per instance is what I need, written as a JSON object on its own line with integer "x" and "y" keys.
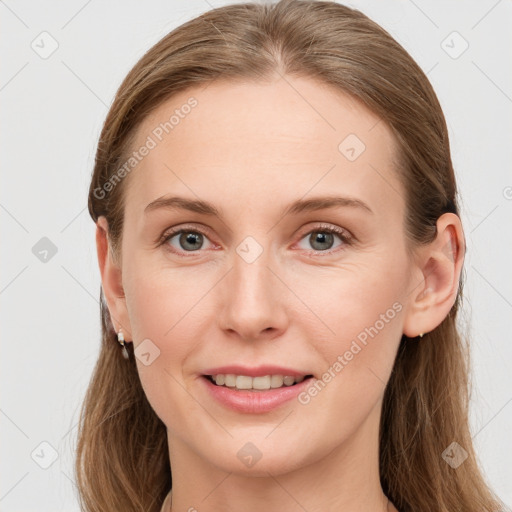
{"x": 111, "y": 280}
{"x": 440, "y": 265}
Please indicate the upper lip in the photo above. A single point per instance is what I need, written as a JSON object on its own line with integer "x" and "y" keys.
{"x": 255, "y": 371}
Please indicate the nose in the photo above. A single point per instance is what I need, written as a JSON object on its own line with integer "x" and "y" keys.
{"x": 253, "y": 300}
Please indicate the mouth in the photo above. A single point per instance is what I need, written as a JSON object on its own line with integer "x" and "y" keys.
{"x": 256, "y": 384}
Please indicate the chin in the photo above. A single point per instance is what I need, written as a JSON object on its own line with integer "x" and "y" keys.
{"x": 259, "y": 459}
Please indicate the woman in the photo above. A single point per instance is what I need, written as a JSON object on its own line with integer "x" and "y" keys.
{"x": 281, "y": 258}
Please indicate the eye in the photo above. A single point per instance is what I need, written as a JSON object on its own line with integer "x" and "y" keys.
{"x": 185, "y": 240}
{"x": 188, "y": 240}
{"x": 322, "y": 238}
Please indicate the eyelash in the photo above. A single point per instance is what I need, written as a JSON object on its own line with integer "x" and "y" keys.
{"x": 344, "y": 236}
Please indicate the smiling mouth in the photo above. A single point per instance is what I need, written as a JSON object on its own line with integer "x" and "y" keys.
{"x": 247, "y": 383}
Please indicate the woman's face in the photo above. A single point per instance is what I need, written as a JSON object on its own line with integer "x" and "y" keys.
{"x": 261, "y": 287}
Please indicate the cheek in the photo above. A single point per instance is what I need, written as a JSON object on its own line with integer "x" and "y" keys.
{"x": 360, "y": 314}
{"x": 357, "y": 359}
{"x": 161, "y": 298}
{"x": 353, "y": 300}
{"x": 166, "y": 317}
{"x": 154, "y": 311}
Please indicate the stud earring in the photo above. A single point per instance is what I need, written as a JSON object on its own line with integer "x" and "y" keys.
{"x": 120, "y": 339}
{"x": 421, "y": 335}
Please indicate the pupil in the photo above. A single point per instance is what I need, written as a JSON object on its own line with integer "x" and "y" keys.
{"x": 322, "y": 238}
{"x": 190, "y": 238}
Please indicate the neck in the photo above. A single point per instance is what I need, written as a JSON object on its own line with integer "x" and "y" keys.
{"x": 345, "y": 478}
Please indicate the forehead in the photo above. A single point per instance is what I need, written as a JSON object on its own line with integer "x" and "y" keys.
{"x": 239, "y": 141}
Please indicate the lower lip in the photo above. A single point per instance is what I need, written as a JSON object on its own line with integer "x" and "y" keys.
{"x": 254, "y": 401}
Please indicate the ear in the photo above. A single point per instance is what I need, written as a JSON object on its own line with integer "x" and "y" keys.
{"x": 111, "y": 281}
{"x": 437, "y": 273}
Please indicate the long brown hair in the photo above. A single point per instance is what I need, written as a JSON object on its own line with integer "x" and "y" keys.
{"x": 122, "y": 454}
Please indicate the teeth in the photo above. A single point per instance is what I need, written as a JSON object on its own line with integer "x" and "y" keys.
{"x": 229, "y": 380}
{"x": 255, "y": 383}
{"x": 276, "y": 381}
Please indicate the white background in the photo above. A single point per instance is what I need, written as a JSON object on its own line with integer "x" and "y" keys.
{"x": 52, "y": 112}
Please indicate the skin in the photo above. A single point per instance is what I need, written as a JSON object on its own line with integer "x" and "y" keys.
{"x": 251, "y": 149}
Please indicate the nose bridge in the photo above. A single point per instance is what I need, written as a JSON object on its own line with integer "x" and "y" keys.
{"x": 251, "y": 277}
{"x": 252, "y": 296}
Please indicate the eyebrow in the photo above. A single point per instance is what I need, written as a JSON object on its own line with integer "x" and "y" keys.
{"x": 299, "y": 206}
